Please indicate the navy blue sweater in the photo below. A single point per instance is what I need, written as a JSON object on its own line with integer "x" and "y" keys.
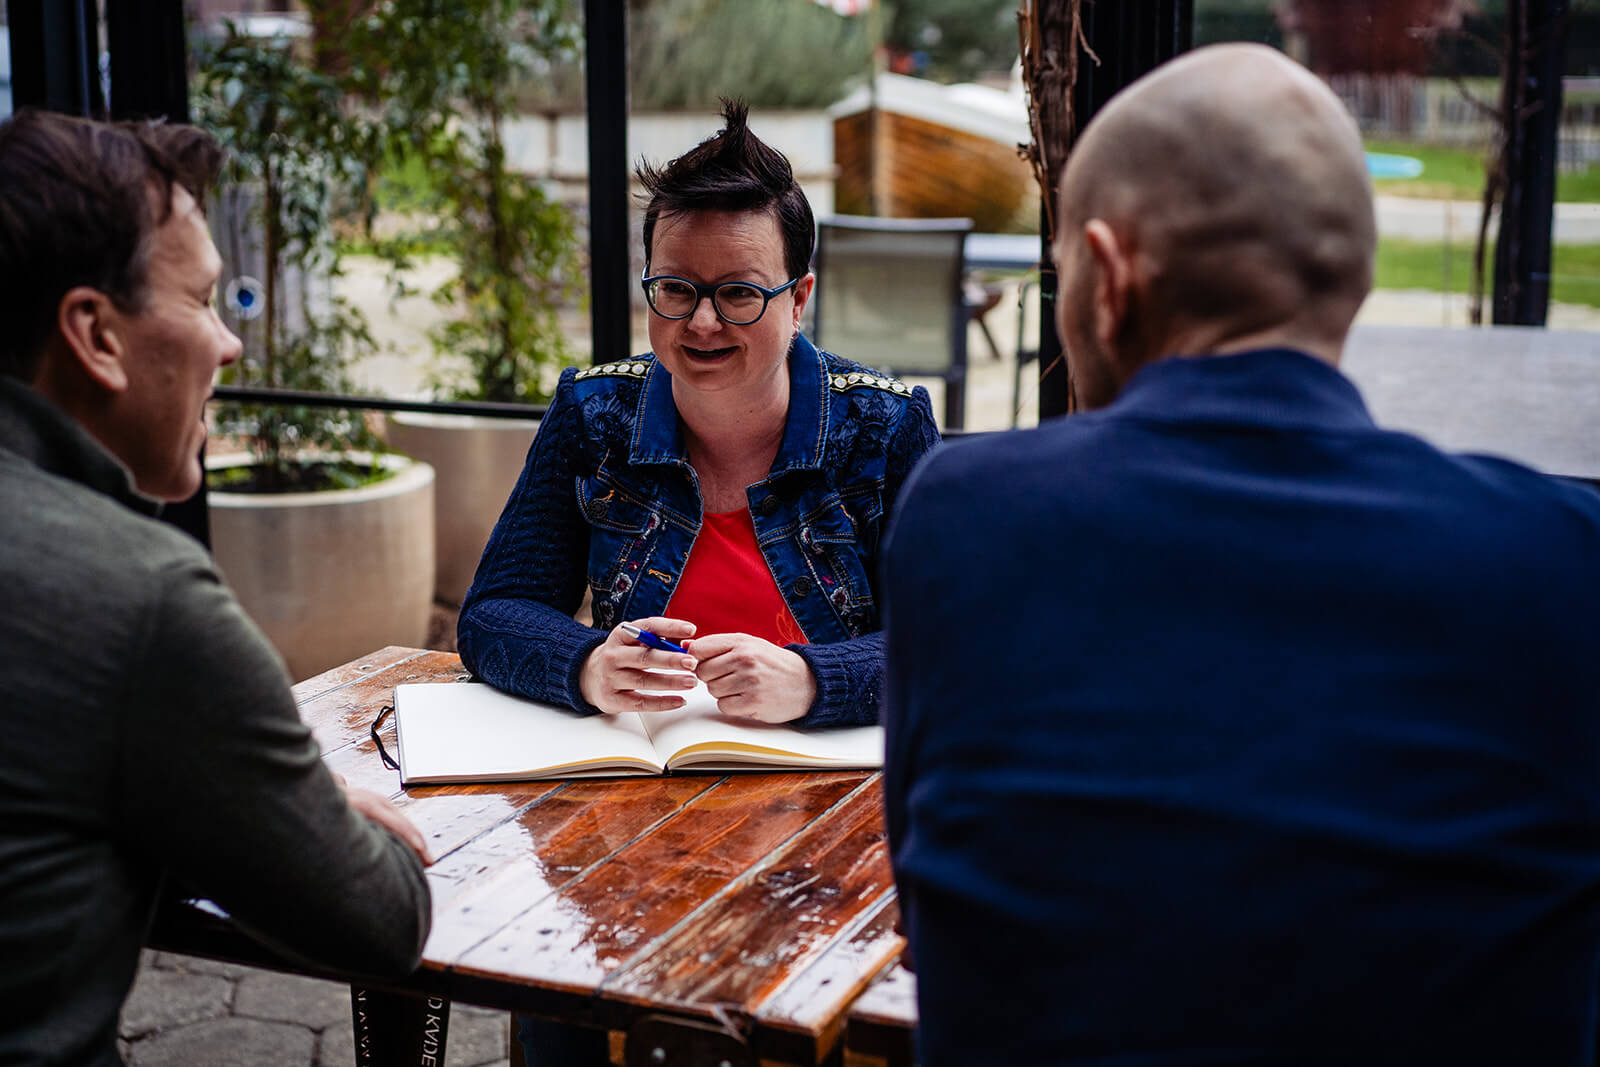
{"x": 1225, "y": 727}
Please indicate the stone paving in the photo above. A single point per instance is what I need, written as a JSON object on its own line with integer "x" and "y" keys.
{"x": 189, "y": 1012}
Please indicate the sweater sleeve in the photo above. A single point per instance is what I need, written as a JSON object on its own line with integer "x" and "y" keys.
{"x": 516, "y": 629}
{"x": 849, "y": 673}
{"x": 222, "y": 784}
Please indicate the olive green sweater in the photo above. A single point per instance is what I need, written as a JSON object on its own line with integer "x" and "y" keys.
{"x": 147, "y": 730}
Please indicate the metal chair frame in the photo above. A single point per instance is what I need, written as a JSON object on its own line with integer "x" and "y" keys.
{"x": 954, "y": 373}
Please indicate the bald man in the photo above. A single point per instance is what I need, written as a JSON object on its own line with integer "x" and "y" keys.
{"x": 1224, "y": 726}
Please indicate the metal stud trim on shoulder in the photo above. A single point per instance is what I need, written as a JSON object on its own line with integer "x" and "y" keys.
{"x": 862, "y": 380}
{"x": 626, "y": 368}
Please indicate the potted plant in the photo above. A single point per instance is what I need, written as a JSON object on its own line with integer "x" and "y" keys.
{"x": 449, "y": 73}
{"x": 327, "y": 542}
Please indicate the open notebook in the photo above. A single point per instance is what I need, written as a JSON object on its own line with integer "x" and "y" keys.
{"x": 471, "y": 732}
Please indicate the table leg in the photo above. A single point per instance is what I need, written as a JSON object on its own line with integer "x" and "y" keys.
{"x": 406, "y": 1029}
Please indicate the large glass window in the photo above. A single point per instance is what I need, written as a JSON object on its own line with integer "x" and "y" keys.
{"x": 1423, "y": 78}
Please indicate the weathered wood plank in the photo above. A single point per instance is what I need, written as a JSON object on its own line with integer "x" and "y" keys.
{"x": 518, "y": 867}
{"x": 615, "y": 914}
{"x": 343, "y": 715}
{"x": 334, "y": 677}
{"x": 848, "y": 968}
{"x": 776, "y": 921}
{"x": 449, "y": 815}
{"x": 891, "y": 1000}
{"x": 882, "y": 1023}
{"x": 452, "y": 817}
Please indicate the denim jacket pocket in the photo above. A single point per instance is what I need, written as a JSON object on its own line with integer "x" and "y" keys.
{"x": 614, "y": 508}
{"x": 831, "y": 545}
{"x": 623, "y": 528}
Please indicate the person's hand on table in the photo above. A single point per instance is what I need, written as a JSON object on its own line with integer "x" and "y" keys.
{"x": 615, "y": 671}
{"x": 383, "y": 812}
{"x": 754, "y": 679}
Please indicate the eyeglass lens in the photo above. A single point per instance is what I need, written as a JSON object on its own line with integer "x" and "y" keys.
{"x": 738, "y": 304}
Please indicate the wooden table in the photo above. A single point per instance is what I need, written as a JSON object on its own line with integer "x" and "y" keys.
{"x": 699, "y": 919}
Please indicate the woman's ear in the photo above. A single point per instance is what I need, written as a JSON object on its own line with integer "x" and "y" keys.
{"x": 90, "y": 325}
{"x": 802, "y": 295}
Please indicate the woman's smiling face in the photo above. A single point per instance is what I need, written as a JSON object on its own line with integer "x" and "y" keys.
{"x": 711, "y": 247}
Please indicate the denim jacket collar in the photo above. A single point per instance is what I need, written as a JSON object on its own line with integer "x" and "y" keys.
{"x": 658, "y": 436}
{"x": 807, "y": 425}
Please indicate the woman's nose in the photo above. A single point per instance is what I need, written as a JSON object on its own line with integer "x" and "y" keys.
{"x": 705, "y": 318}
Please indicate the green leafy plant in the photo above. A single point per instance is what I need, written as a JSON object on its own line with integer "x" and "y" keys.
{"x": 688, "y": 54}
{"x": 953, "y": 40}
{"x": 296, "y": 155}
{"x": 445, "y": 74}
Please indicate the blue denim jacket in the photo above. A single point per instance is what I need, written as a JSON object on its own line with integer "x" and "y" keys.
{"x": 607, "y": 500}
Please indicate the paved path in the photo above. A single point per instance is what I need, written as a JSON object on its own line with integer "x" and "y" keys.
{"x": 188, "y": 1012}
{"x": 1457, "y": 220}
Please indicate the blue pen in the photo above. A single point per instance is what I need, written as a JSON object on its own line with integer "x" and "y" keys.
{"x": 650, "y": 640}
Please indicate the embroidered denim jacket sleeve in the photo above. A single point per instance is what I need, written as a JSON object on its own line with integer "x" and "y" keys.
{"x": 849, "y": 673}
{"x": 516, "y": 630}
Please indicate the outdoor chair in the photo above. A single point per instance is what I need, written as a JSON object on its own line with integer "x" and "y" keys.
{"x": 890, "y": 294}
{"x": 1027, "y": 344}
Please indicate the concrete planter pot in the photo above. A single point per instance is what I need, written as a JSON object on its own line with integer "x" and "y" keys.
{"x": 477, "y": 461}
{"x": 333, "y": 575}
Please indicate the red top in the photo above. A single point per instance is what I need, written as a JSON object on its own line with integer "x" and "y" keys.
{"x": 726, "y": 587}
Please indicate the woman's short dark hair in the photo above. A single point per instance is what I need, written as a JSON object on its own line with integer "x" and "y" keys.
{"x": 732, "y": 171}
{"x": 79, "y": 201}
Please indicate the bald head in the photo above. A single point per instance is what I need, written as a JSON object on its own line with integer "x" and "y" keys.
{"x": 1234, "y": 183}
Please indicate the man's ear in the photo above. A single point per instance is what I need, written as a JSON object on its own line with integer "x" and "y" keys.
{"x": 90, "y": 325}
{"x": 1113, "y": 281}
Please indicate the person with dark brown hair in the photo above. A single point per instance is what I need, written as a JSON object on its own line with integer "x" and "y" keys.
{"x": 150, "y": 735}
{"x": 728, "y": 490}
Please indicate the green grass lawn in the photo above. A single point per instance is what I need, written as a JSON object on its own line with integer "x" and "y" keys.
{"x": 1457, "y": 174}
{"x": 1574, "y": 269}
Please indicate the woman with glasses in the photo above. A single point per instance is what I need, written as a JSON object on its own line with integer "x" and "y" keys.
{"x": 729, "y": 491}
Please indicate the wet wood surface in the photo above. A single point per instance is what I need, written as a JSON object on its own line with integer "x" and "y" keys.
{"x": 881, "y": 1022}
{"x": 758, "y": 904}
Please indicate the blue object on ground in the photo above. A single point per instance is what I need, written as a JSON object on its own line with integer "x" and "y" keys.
{"x": 1382, "y": 165}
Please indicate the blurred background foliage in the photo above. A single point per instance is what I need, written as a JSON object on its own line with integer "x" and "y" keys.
{"x": 1473, "y": 51}
{"x": 773, "y": 54}
{"x": 951, "y": 40}
{"x": 441, "y": 77}
{"x": 297, "y": 152}
{"x": 684, "y": 54}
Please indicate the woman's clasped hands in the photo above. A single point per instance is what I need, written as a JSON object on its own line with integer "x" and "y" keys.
{"x": 750, "y": 678}
{"x": 623, "y": 675}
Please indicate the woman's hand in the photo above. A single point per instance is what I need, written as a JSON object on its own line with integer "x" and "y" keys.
{"x": 754, "y": 679}
{"x": 615, "y": 670}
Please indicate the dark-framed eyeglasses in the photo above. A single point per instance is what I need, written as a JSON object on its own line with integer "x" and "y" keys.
{"x": 736, "y": 303}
